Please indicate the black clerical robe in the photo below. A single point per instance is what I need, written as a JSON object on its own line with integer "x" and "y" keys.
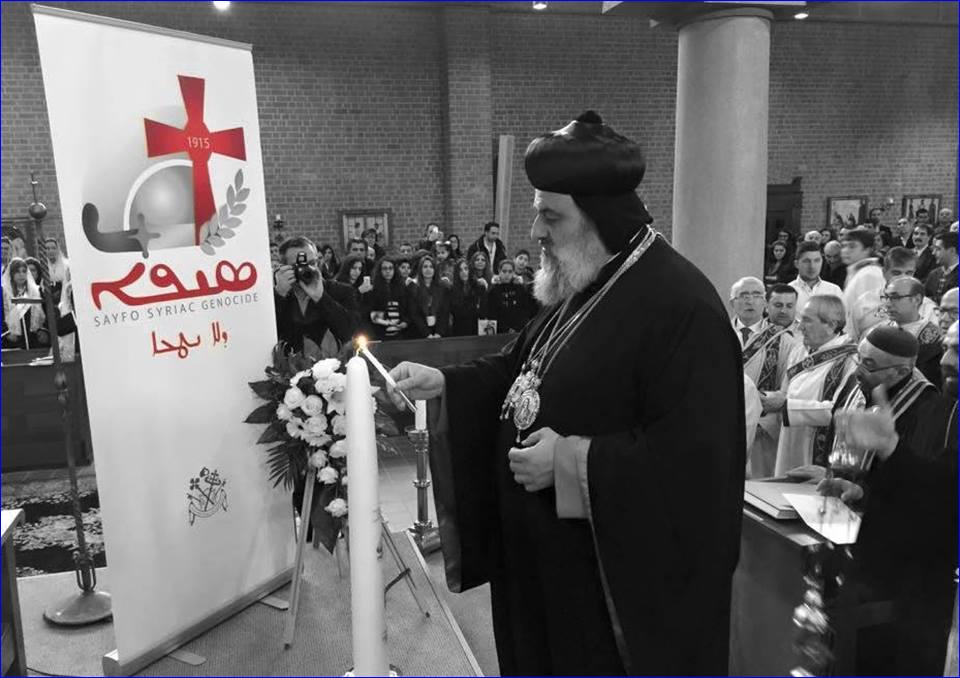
{"x": 654, "y": 378}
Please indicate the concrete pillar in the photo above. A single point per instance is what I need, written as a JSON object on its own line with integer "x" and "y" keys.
{"x": 720, "y": 164}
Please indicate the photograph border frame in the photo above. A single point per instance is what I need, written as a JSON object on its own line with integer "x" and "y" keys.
{"x": 365, "y": 214}
{"x": 864, "y": 207}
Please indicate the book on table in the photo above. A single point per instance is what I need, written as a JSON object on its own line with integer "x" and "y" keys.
{"x": 767, "y": 495}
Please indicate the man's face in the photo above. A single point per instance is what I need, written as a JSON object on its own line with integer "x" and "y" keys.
{"x": 809, "y": 265}
{"x": 358, "y": 248}
{"x": 901, "y": 306}
{"x": 370, "y": 238}
{"x": 920, "y": 238}
{"x": 782, "y": 309}
{"x": 940, "y": 253}
{"x": 876, "y": 216}
{"x": 905, "y": 270}
{"x": 923, "y": 217}
{"x": 903, "y": 228}
{"x": 945, "y": 216}
{"x": 877, "y": 367}
{"x": 815, "y": 331}
{"x": 948, "y": 311}
{"x": 492, "y": 234}
{"x": 748, "y": 303}
{"x": 522, "y": 261}
{"x": 832, "y": 255}
{"x": 406, "y": 250}
{"x": 52, "y": 251}
{"x": 852, "y": 251}
{"x": 948, "y": 363}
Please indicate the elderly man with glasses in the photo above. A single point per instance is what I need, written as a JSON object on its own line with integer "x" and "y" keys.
{"x": 902, "y": 299}
{"x": 948, "y": 311}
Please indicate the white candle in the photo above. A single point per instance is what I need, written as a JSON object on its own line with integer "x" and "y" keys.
{"x": 366, "y": 577}
{"x": 420, "y": 420}
{"x": 364, "y": 351}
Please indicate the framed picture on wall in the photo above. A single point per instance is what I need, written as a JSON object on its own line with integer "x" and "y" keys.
{"x": 353, "y": 224}
{"x": 846, "y": 211}
{"x": 916, "y": 204}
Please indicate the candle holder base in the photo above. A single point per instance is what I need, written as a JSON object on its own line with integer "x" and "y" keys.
{"x": 394, "y": 672}
{"x": 426, "y": 537}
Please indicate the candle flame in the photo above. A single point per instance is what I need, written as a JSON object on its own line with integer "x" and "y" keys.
{"x": 359, "y": 343}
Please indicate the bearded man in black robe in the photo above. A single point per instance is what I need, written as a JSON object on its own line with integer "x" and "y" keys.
{"x": 593, "y": 471}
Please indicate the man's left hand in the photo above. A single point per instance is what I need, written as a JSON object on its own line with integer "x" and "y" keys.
{"x": 772, "y": 401}
{"x": 532, "y": 465}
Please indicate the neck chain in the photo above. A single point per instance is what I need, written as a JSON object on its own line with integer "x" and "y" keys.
{"x": 523, "y": 398}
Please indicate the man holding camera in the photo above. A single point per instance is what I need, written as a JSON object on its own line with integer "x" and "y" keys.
{"x": 307, "y": 305}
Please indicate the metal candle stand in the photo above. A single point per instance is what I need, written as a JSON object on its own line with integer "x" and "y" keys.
{"x": 425, "y": 535}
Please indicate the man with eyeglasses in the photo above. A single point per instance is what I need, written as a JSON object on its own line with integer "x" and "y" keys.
{"x": 806, "y": 399}
{"x": 306, "y": 304}
{"x": 869, "y": 310}
{"x": 747, "y": 299}
{"x": 907, "y": 545}
{"x": 902, "y": 298}
{"x": 948, "y": 311}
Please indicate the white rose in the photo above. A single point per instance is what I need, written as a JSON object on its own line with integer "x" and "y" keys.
{"x": 294, "y": 428}
{"x": 295, "y": 379}
{"x": 312, "y": 405}
{"x": 343, "y": 480}
{"x": 316, "y": 425}
{"x": 331, "y": 384}
{"x": 337, "y": 508}
{"x": 317, "y": 441}
{"x": 374, "y": 401}
{"x": 293, "y": 397}
{"x": 318, "y": 459}
{"x": 283, "y": 412}
{"x": 328, "y": 475}
{"x": 339, "y": 425}
{"x": 339, "y": 449}
{"x": 338, "y": 402}
{"x": 324, "y": 368}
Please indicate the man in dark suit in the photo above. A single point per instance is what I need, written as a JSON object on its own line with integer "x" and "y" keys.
{"x": 926, "y": 262}
{"x": 306, "y": 304}
{"x": 491, "y": 245}
{"x": 944, "y": 277}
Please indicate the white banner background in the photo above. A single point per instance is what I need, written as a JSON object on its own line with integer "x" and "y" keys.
{"x": 157, "y": 420}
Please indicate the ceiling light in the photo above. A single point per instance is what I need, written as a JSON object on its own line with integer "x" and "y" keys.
{"x": 540, "y": 5}
{"x": 222, "y": 5}
{"x": 800, "y": 15}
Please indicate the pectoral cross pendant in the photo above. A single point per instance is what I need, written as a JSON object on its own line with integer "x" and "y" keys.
{"x": 523, "y": 399}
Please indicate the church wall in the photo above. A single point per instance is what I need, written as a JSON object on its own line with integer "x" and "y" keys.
{"x": 400, "y": 108}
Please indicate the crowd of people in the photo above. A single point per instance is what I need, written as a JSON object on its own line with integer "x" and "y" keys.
{"x": 850, "y": 343}
{"x": 25, "y": 324}
{"x": 433, "y": 290}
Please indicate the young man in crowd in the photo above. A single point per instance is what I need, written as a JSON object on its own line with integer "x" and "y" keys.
{"x": 808, "y": 282}
{"x": 902, "y": 298}
{"x": 904, "y": 234}
{"x": 491, "y": 244}
{"x": 944, "y": 277}
{"x": 370, "y": 236}
{"x": 522, "y": 263}
{"x": 863, "y": 273}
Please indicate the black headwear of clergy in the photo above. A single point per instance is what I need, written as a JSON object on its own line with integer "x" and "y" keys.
{"x": 894, "y": 341}
{"x": 599, "y": 169}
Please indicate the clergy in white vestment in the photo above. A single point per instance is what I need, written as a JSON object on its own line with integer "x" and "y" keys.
{"x": 811, "y": 384}
{"x": 809, "y": 260}
{"x": 864, "y": 274}
{"x": 766, "y": 355}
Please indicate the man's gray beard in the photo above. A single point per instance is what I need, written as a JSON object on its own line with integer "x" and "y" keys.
{"x": 570, "y": 270}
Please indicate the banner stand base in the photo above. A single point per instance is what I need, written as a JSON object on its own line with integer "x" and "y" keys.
{"x": 113, "y": 666}
{"x": 276, "y": 602}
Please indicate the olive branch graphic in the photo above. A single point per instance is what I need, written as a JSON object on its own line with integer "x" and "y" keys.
{"x": 222, "y": 226}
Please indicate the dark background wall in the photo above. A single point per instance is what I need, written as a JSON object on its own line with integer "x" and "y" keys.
{"x": 401, "y": 108}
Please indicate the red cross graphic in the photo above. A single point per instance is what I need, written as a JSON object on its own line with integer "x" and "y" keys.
{"x": 199, "y": 143}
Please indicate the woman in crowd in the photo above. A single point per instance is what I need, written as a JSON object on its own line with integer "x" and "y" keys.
{"x": 454, "y": 241}
{"x": 480, "y": 267}
{"x": 467, "y": 298}
{"x": 388, "y": 301}
{"x": 826, "y": 235}
{"x": 780, "y": 269}
{"x": 431, "y": 234}
{"x": 24, "y": 323}
{"x": 351, "y": 273}
{"x": 328, "y": 262}
{"x": 429, "y": 303}
{"x": 509, "y": 301}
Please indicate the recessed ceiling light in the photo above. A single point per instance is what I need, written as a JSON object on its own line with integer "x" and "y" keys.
{"x": 540, "y": 5}
{"x": 222, "y": 5}
{"x": 800, "y": 15}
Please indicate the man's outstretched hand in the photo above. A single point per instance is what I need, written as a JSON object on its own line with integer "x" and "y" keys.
{"x": 418, "y": 382}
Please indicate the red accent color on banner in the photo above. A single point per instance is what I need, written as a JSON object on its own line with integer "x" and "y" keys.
{"x": 199, "y": 143}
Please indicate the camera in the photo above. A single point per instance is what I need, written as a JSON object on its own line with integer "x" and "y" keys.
{"x": 303, "y": 270}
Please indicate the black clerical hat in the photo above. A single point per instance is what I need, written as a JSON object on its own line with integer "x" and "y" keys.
{"x": 599, "y": 168}
{"x": 894, "y": 341}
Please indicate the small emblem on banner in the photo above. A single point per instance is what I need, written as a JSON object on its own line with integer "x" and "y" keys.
{"x": 207, "y": 494}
